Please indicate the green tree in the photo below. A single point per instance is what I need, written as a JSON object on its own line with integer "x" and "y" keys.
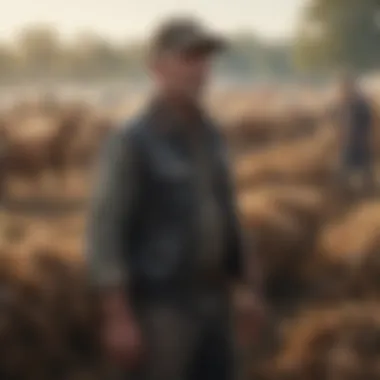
{"x": 8, "y": 63}
{"x": 39, "y": 53}
{"x": 91, "y": 56}
{"x": 134, "y": 56}
{"x": 97, "y": 56}
{"x": 40, "y": 49}
{"x": 336, "y": 33}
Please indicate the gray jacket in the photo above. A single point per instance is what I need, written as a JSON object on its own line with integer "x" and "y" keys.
{"x": 355, "y": 119}
{"x": 144, "y": 224}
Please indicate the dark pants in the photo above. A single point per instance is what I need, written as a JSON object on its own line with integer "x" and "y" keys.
{"x": 188, "y": 340}
{"x": 357, "y": 163}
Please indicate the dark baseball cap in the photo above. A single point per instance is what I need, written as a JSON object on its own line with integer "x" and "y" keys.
{"x": 186, "y": 35}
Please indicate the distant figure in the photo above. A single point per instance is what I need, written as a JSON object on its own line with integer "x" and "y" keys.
{"x": 3, "y": 161}
{"x": 355, "y": 123}
{"x": 164, "y": 241}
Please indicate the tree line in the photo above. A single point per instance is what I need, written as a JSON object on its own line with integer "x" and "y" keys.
{"x": 40, "y": 53}
{"x": 331, "y": 34}
{"x": 339, "y": 33}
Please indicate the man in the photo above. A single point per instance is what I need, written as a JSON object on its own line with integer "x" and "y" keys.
{"x": 355, "y": 122}
{"x": 4, "y": 149}
{"x": 165, "y": 243}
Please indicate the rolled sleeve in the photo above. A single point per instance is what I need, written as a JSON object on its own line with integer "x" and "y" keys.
{"x": 111, "y": 203}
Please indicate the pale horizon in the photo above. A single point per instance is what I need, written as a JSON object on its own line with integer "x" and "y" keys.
{"x": 125, "y": 20}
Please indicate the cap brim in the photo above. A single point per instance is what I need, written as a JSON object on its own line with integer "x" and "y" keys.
{"x": 204, "y": 44}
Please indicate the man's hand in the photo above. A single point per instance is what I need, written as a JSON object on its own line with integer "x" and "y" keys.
{"x": 250, "y": 316}
{"x": 120, "y": 334}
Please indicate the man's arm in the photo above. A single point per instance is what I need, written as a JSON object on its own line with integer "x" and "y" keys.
{"x": 115, "y": 192}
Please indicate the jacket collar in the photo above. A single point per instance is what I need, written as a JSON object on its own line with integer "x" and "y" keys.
{"x": 167, "y": 118}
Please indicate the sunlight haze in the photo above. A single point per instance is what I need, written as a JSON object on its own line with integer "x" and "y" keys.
{"x": 124, "y": 19}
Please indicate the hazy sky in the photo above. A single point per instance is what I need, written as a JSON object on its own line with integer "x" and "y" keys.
{"x": 122, "y": 19}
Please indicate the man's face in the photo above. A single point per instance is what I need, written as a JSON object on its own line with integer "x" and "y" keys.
{"x": 182, "y": 74}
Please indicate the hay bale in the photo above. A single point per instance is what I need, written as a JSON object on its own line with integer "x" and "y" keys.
{"x": 308, "y": 161}
{"x": 282, "y": 238}
{"x": 331, "y": 343}
{"x": 49, "y": 320}
{"x": 346, "y": 259}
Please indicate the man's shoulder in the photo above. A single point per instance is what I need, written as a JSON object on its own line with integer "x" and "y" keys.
{"x": 132, "y": 129}
{"x": 139, "y": 128}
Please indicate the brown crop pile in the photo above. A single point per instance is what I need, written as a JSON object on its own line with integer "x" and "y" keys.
{"x": 36, "y": 143}
{"x": 318, "y": 246}
{"x": 337, "y": 343}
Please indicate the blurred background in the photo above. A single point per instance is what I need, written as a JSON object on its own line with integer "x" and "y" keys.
{"x": 71, "y": 70}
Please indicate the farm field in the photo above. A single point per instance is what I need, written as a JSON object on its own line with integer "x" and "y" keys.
{"x": 319, "y": 246}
